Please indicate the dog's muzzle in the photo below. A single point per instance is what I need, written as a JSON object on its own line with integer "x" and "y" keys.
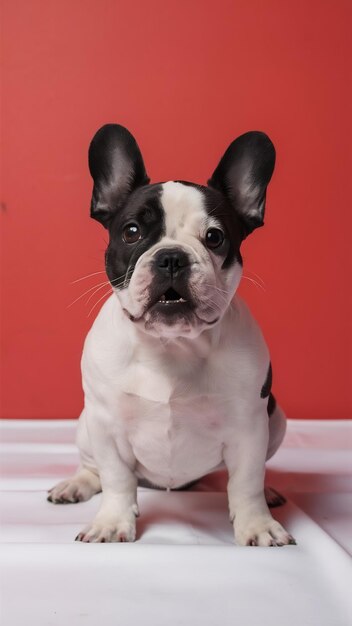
{"x": 170, "y": 292}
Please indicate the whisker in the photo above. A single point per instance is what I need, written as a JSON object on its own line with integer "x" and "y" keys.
{"x": 88, "y": 276}
{"x": 254, "y": 282}
{"x": 129, "y": 270}
{"x": 221, "y": 292}
{"x": 215, "y": 287}
{"x": 117, "y": 278}
{"x": 106, "y": 282}
{"x": 211, "y": 211}
{"x": 108, "y": 293}
{"x": 215, "y": 306}
{"x": 118, "y": 285}
{"x": 96, "y": 291}
{"x": 218, "y": 214}
{"x": 256, "y": 275}
{"x": 224, "y": 300}
{"x": 122, "y": 278}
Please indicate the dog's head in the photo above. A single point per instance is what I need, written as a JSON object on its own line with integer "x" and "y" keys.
{"x": 173, "y": 257}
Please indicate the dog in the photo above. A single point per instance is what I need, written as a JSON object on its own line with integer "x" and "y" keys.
{"x": 176, "y": 372}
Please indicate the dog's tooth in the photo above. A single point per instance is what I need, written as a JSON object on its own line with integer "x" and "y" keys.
{"x": 164, "y": 301}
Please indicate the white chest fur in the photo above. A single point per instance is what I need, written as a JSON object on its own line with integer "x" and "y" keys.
{"x": 173, "y": 442}
{"x": 170, "y": 406}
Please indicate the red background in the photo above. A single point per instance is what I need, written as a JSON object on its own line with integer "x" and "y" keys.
{"x": 186, "y": 78}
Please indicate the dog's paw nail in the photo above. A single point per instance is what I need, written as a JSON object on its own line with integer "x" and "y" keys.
{"x": 252, "y": 542}
{"x": 292, "y": 541}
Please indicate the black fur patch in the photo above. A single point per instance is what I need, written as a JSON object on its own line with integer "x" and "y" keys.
{"x": 243, "y": 174}
{"x": 266, "y": 388}
{"x": 266, "y": 391}
{"x": 117, "y": 168}
{"x": 143, "y": 207}
{"x": 271, "y": 405}
{"x": 217, "y": 206}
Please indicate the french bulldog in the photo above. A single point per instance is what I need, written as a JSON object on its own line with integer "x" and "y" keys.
{"x": 176, "y": 372}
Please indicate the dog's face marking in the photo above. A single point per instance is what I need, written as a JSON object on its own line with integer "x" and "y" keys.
{"x": 143, "y": 209}
{"x": 173, "y": 220}
{"x": 174, "y": 252}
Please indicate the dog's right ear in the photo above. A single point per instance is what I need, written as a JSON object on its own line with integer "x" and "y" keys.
{"x": 117, "y": 168}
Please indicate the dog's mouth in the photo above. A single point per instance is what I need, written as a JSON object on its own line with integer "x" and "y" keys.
{"x": 172, "y": 303}
{"x": 172, "y": 307}
{"x": 171, "y": 296}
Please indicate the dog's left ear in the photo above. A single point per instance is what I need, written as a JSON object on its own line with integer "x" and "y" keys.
{"x": 243, "y": 175}
{"x": 117, "y": 168}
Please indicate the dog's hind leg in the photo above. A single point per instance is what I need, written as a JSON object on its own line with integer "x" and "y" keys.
{"x": 273, "y": 498}
{"x": 85, "y": 482}
{"x": 277, "y": 426}
{"x": 277, "y": 429}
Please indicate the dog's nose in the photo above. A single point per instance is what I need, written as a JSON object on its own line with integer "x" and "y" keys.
{"x": 171, "y": 261}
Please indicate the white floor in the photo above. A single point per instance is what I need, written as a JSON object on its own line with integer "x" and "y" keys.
{"x": 184, "y": 568}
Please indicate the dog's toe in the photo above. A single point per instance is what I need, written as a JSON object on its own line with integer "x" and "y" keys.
{"x": 121, "y": 530}
{"x": 262, "y": 532}
{"x": 79, "y": 488}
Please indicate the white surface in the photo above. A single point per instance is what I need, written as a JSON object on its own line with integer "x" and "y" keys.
{"x": 184, "y": 568}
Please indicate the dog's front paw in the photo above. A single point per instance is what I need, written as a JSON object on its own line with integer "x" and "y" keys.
{"x": 79, "y": 488}
{"x": 104, "y": 530}
{"x": 263, "y": 531}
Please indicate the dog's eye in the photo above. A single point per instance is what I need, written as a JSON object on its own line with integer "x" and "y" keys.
{"x": 131, "y": 233}
{"x": 214, "y": 238}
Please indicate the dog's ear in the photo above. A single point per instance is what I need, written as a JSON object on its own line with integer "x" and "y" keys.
{"x": 243, "y": 174}
{"x": 117, "y": 168}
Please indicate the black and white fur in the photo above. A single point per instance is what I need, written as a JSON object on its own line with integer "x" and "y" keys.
{"x": 176, "y": 373}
